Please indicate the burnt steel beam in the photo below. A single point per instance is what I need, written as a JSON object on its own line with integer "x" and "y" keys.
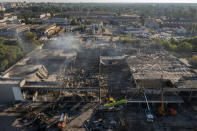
{"x": 155, "y": 101}
{"x": 60, "y": 89}
{"x": 160, "y": 89}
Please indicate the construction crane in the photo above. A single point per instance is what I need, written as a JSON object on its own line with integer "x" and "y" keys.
{"x": 149, "y": 116}
{"x": 162, "y": 108}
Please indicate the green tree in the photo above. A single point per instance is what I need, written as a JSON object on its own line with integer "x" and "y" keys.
{"x": 184, "y": 46}
{"x": 1, "y": 14}
{"x": 2, "y": 51}
{"x": 4, "y": 64}
{"x": 30, "y": 36}
{"x": 74, "y": 21}
{"x": 9, "y": 54}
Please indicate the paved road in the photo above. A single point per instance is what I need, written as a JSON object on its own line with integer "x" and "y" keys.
{"x": 8, "y": 121}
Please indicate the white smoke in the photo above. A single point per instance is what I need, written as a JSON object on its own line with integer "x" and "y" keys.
{"x": 65, "y": 42}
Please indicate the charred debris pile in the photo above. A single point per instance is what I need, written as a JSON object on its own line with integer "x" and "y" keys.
{"x": 103, "y": 73}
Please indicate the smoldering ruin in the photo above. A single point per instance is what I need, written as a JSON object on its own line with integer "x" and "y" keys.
{"x": 77, "y": 77}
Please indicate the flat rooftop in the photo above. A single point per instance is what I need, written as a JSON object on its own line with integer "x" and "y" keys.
{"x": 10, "y": 26}
{"x": 167, "y": 99}
{"x": 158, "y": 65}
{"x": 41, "y": 27}
{"x": 187, "y": 84}
{"x": 29, "y": 72}
{"x": 11, "y": 82}
{"x": 42, "y": 84}
{"x": 24, "y": 70}
{"x": 112, "y": 59}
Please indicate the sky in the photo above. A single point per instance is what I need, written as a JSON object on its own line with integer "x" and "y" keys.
{"x": 107, "y": 1}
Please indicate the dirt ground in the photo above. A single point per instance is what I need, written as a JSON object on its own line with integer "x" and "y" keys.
{"x": 185, "y": 120}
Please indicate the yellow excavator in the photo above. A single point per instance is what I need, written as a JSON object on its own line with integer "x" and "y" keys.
{"x": 110, "y": 99}
{"x": 162, "y": 108}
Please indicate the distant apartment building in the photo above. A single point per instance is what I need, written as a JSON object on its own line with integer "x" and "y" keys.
{"x": 89, "y": 15}
{"x": 9, "y": 19}
{"x": 151, "y": 23}
{"x": 70, "y": 28}
{"x": 23, "y": 4}
{"x": 13, "y": 30}
{"x": 96, "y": 28}
{"x": 44, "y": 29}
{"x": 9, "y": 5}
{"x": 124, "y": 19}
{"x": 57, "y": 21}
{"x": 97, "y": 25}
{"x": 2, "y": 8}
{"x": 101, "y": 14}
{"x": 43, "y": 15}
{"x": 177, "y": 23}
{"x": 136, "y": 30}
{"x": 102, "y": 39}
{"x": 181, "y": 30}
{"x": 76, "y": 14}
{"x": 163, "y": 35}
